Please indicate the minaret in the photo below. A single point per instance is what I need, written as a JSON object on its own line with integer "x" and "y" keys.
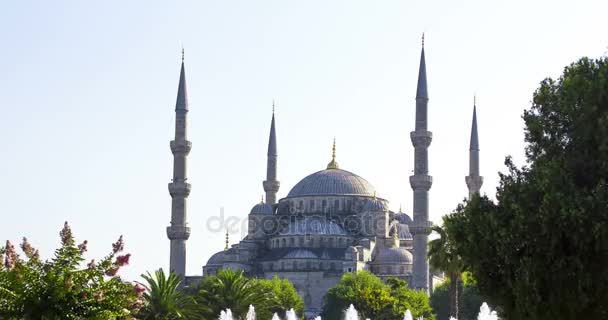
{"x": 474, "y": 180}
{"x": 178, "y": 232}
{"x": 421, "y": 182}
{"x": 271, "y": 185}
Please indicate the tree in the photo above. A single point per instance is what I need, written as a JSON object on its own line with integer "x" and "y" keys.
{"x": 469, "y": 299}
{"x": 374, "y": 299}
{"x": 164, "y": 301}
{"x": 59, "y": 288}
{"x": 540, "y": 252}
{"x": 443, "y": 256}
{"x": 231, "y": 289}
{"x": 285, "y": 296}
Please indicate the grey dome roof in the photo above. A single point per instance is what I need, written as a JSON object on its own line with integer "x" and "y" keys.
{"x": 397, "y": 255}
{"x": 403, "y": 230}
{"x": 374, "y": 204}
{"x": 332, "y": 182}
{"x": 217, "y": 258}
{"x": 403, "y": 217}
{"x": 262, "y": 208}
{"x": 313, "y": 225}
{"x": 300, "y": 254}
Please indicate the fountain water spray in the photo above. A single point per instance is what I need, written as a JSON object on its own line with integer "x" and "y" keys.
{"x": 351, "y": 313}
{"x": 407, "y": 315}
{"x": 226, "y": 315}
{"x": 291, "y": 315}
{"x": 250, "y": 313}
{"x": 486, "y": 314}
{"x": 275, "y": 316}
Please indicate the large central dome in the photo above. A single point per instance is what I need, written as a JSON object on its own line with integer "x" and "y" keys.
{"x": 332, "y": 182}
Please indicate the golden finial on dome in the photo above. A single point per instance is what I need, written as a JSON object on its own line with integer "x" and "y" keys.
{"x": 374, "y": 194}
{"x": 333, "y": 164}
{"x": 227, "y": 240}
{"x": 423, "y": 39}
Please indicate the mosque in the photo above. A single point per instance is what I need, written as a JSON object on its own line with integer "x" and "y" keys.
{"x": 331, "y": 222}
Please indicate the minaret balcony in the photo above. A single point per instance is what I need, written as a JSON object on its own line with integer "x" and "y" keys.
{"x": 421, "y": 182}
{"x": 181, "y": 146}
{"x": 421, "y": 227}
{"x": 178, "y": 232}
{"x": 179, "y": 188}
{"x": 271, "y": 186}
{"x": 474, "y": 182}
{"x": 421, "y": 138}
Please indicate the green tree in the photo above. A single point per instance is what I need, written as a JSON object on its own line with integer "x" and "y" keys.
{"x": 443, "y": 256}
{"x": 232, "y": 290}
{"x": 540, "y": 252}
{"x": 285, "y": 296}
{"x": 163, "y": 299}
{"x": 470, "y": 299}
{"x": 59, "y": 288}
{"x": 374, "y": 299}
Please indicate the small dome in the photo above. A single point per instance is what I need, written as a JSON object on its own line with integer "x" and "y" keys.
{"x": 403, "y": 217}
{"x": 217, "y": 258}
{"x": 403, "y": 230}
{"x": 374, "y": 204}
{"x": 397, "y": 255}
{"x": 332, "y": 182}
{"x": 313, "y": 225}
{"x": 300, "y": 254}
{"x": 262, "y": 208}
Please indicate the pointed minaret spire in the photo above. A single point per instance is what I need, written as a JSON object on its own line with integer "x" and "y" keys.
{"x": 271, "y": 185}
{"x": 333, "y": 164}
{"x": 474, "y": 180}
{"x": 421, "y": 182}
{"x": 178, "y": 232}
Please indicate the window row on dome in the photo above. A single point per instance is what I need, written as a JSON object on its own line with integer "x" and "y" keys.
{"x": 317, "y": 204}
{"x": 305, "y": 265}
{"x": 311, "y": 242}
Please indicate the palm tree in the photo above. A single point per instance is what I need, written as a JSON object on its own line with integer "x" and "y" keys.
{"x": 164, "y": 300}
{"x": 231, "y": 289}
{"x": 442, "y": 256}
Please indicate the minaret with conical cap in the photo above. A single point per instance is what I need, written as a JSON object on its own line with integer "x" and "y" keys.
{"x": 474, "y": 180}
{"x": 271, "y": 185}
{"x": 178, "y": 232}
{"x": 421, "y": 182}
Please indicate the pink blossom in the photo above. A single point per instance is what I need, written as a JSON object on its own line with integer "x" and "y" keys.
{"x": 10, "y": 256}
{"x": 83, "y": 246}
{"x": 66, "y": 235}
{"x": 92, "y": 265}
{"x": 123, "y": 260}
{"x": 118, "y": 245}
{"x": 139, "y": 289}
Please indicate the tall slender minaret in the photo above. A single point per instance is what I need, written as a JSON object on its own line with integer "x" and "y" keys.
{"x": 421, "y": 182}
{"x": 271, "y": 185}
{"x": 474, "y": 180}
{"x": 178, "y": 232}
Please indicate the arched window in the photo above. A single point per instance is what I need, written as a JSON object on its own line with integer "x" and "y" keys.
{"x": 311, "y": 203}
{"x": 301, "y": 241}
{"x": 283, "y": 244}
{"x": 337, "y": 205}
{"x": 292, "y": 242}
{"x": 324, "y": 204}
{"x": 301, "y": 205}
{"x": 332, "y": 266}
{"x": 402, "y": 269}
{"x": 331, "y": 243}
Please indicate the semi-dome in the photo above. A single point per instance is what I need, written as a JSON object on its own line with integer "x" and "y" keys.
{"x": 262, "y": 208}
{"x": 374, "y": 204}
{"x": 313, "y": 225}
{"x": 332, "y": 182}
{"x": 403, "y": 230}
{"x": 398, "y": 255}
{"x": 217, "y": 258}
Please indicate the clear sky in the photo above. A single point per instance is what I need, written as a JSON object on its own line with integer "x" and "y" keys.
{"x": 87, "y": 93}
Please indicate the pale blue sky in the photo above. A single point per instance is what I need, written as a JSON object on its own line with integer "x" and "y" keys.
{"x": 87, "y": 91}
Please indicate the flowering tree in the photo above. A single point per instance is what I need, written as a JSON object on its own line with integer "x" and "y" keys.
{"x": 61, "y": 288}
